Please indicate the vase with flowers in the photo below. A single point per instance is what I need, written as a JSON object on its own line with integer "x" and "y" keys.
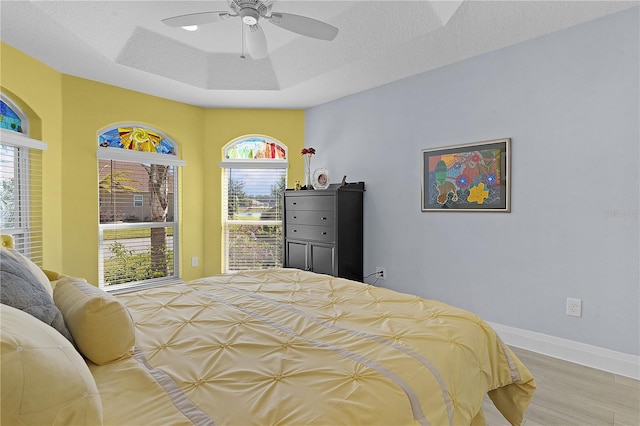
{"x": 307, "y": 154}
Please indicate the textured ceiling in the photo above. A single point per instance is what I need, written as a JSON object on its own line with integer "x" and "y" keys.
{"x": 124, "y": 43}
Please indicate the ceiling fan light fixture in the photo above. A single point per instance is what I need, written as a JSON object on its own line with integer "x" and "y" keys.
{"x": 250, "y": 12}
{"x": 249, "y": 16}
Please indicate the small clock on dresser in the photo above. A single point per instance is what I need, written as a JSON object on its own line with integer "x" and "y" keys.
{"x": 320, "y": 179}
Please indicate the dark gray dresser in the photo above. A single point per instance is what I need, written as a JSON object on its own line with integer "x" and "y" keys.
{"x": 323, "y": 230}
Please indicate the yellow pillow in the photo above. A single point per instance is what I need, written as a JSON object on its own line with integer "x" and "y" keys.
{"x": 43, "y": 379}
{"x": 100, "y": 324}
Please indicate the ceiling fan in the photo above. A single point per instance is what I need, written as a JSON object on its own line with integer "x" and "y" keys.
{"x": 251, "y": 11}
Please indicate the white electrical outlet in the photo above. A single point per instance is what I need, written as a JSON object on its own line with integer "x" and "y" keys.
{"x": 194, "y": 261}
{"x": 574, "y": 307}
{"x": 382, "y": 272}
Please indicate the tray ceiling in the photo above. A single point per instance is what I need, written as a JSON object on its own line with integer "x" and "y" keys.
{"x": 124, "y": 43}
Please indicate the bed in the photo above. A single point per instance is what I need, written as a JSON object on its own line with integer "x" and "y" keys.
{"x": 270, "y": 347}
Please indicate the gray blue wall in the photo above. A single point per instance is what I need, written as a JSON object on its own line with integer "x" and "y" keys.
{"x": 570, "y": 103}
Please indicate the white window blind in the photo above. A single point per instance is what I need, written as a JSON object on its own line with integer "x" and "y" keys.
{"x": 252, "y": 217}
{"x": 21, "y": 201}
{"x": 138, "y": 222}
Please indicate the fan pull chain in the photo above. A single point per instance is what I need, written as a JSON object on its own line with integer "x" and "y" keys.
{"x": 242, "y": 47}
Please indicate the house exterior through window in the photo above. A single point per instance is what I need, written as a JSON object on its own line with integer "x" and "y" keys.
{"x": 138, "y": 206}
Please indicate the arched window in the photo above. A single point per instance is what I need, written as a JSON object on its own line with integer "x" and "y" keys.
{"x": 20, "y": 181}
{"x": 138, "y": 205}
{"x": 9, "y": 118}
{"x": 254, "y": 177}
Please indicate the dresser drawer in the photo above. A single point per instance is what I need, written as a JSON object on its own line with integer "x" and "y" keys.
{"x": 310, "y": 217}
{"x": 310, "y": 203}
{"x": 309, "y": 232}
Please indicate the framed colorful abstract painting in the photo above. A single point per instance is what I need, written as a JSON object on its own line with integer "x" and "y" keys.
{"x": 471, "y": 177}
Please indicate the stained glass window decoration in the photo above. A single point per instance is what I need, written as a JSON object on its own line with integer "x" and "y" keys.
{"x": 136, "y": 139}
{"x": 9, "y": 119}
{"x": 255, "y": 147}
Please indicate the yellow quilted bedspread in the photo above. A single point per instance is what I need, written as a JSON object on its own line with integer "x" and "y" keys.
{"x": 290, "y": 347}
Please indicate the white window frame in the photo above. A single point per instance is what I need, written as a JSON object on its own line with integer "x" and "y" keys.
{"x": 26, "y": 223}
{"x": 122, "y": 155}
{"x": 226, "y": 165}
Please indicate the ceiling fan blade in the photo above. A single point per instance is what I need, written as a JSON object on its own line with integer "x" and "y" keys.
{"x": 196, "y": 19}
{"x": 305, "y": 26}
{"x": 256, "y": 41}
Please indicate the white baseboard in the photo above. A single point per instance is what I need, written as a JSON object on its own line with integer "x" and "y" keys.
{"x": 568, "y": 350}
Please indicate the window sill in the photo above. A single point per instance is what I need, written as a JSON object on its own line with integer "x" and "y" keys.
{"x": 131, "y": 287}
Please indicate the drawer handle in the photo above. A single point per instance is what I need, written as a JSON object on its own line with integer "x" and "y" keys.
{"x": 295, "y": 204}
{"x": 295, "y": 217}
{"x": 324, "y": 233}
{"x": 295, "y": 230}
{"x": 324, "y": 218}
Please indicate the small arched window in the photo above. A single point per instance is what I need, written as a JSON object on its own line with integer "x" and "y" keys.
{"x": 255, "y": 148}
{"x": 254, "y": 176}
{"x": 9, "y": 118}
{"x": 138, "y": 205}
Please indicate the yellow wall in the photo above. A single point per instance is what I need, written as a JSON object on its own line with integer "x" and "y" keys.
{"x": 89, "y": 107}
{"x": 36, "y": 89}
{"x": 224, "y": 125}
{"x": 73, "y": 110}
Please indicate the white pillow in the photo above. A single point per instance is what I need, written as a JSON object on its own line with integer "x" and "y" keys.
{"x": 43, "y": 379}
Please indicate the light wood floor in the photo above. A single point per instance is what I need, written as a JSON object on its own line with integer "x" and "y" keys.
{"x": 570, "y": 394}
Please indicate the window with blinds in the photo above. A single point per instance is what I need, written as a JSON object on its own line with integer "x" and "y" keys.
{"x": 20, "y": 183}
{"x": 138, "y": 207}
{"x": 254, "y": 177}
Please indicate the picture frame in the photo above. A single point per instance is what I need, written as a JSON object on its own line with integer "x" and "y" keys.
{"x": 320, "y": 178}
{"x": 473, "y": 177}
